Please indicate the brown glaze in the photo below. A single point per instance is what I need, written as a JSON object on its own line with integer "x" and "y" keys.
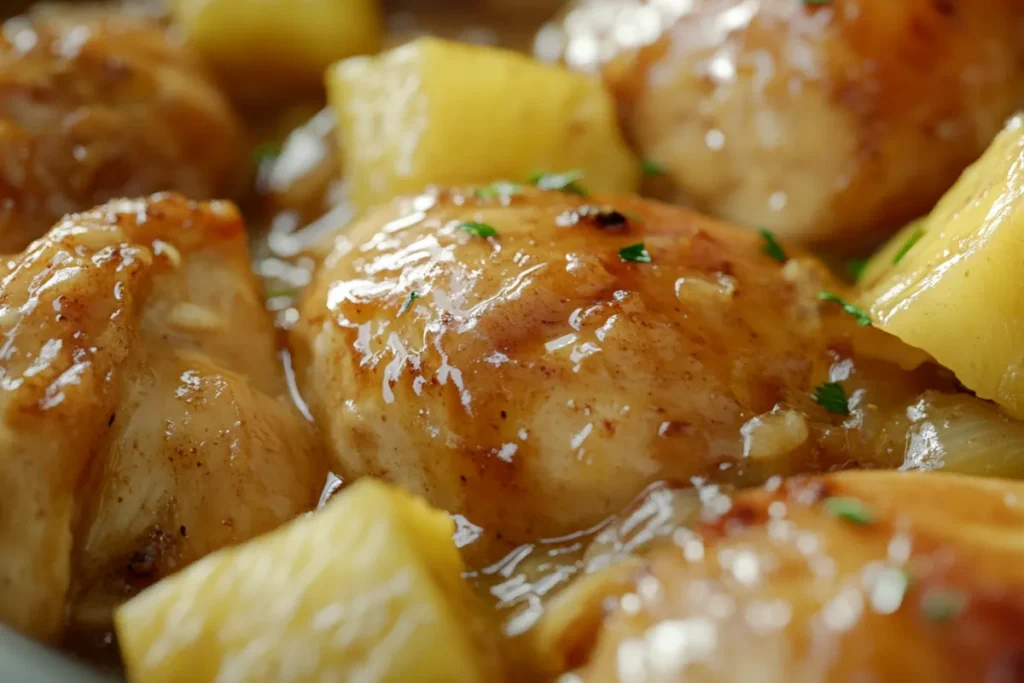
{"x": 538, "y": 382}
{"x": 824, "y": 122}
{"x": 145, "y": 416}
{"x": 923, "y": 585}
{"x": 96, "y": 104}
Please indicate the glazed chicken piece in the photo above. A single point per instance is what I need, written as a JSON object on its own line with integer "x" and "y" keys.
{"x": 96, "y": 104}
{"x": 824, "y": 122}
{"x": 517, "y": 361}
{"x": 881, "y": 576}
{"x": 146, "y": 420}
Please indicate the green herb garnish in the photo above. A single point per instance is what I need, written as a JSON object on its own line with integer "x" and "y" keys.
{"x": 563, "y": 182}
{"x": 850, "y": 509}
{"x": 862, "y": 317}
{"x": 855, "y": 268}
{"x": 413, "y": 295}
{"x": 501, "y": 189}
{"x": 817, "y": 2}
{"x": 282, "y": 292}
{"x": 652, "y": 169}
{"x": 478, "y": 229}
{"x": 832, "y": 397}
{"x": 266, "y": 151}
{"x": 908, "y": 245}
{"x": 772, "y": 247}
{"x": 637, "y": 253}
{"x": 943, "y": 606}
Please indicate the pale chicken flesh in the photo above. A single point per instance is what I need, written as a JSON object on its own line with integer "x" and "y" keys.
{"x": 827, "y": 122}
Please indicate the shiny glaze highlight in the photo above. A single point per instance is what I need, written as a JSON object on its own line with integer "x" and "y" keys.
{"x": 535, "y": 382}
{"x": 145, "y": 416}
{"x": 825, "y": 122}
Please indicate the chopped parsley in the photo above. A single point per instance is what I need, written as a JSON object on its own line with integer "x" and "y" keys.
{"x": 942, "y": 606}
{"x": 501, "y": 189}
{"x": 637, "y": 253}
{"x": 652, "y": 169}
{"x": 832, "y": 397}
{"x": 850, "y": 509}
{"x": 908, "y": 245}
{"x": 817, "y": 2}
{"x": 862, "y": 317}
{"x": 266, "y": 151}
{"x": 772, "y": 247}
{"x": 478, "y": 229}
{"x": 282, "y": 292}
{"x": 413, "y": 295}
{"x": 563, "y": 182}
{"x": 855, "y": 268}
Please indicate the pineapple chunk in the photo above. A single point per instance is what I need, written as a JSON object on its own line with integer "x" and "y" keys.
{"x": 950, "y": 284}
{"x": 369, "y": 588}
{"x": 266, "y": 48}
{"x": 434, "y": 111}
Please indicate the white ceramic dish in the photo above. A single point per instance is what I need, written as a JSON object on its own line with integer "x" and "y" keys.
{"x": 23, "y": 661}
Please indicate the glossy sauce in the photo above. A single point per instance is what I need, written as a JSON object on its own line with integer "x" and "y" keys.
{"x": 537, "y": 380}
{"x": 534, "y": 382}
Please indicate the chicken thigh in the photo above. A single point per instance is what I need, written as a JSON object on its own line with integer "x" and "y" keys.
{"x": 882, "y": 576}
{"x": 823, "y": 121}
{"x": 96, "y": 104}
{"x": 533, "y": 361}
{"x": 146, "y": 420}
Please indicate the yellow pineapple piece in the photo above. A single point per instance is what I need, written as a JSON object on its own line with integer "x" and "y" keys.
{"x": 435, "y": 111}
{"x": 367, "y": 589}
{"x": 264, "y": 48}
{"x": 950, "y": 284}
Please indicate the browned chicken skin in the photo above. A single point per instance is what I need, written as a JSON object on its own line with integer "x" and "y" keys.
{"x": 536, "y": 381}
{"x": 96, "y": 104}
{"x": 822, "y": 121}
{"x": 880, "y": 576}
{"x": 145, "y": 416}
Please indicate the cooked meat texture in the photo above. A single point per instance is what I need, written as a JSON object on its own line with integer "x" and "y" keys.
{"x": 822, "y": 121}
{"x": 145, "y": 415}
{"x": 536, "y": 380}
{"x": 883, "y": 576}
{"x": 96, "y": 104}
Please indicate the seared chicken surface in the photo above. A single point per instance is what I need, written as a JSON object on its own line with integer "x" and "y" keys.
{"x": 537, "y": 379}
{"x": 96, "y": 104}
{"x": 145, "y": 416}
{"x": 861, "y": 576}
{"x": 821, "y": 121}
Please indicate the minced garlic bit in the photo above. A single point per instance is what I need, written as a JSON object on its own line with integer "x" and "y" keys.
{"x": 720, "y": 287}
{"x": 773, "y": 435}
{"x": 190, "y": 317}
{"x": 168, "y": 251}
